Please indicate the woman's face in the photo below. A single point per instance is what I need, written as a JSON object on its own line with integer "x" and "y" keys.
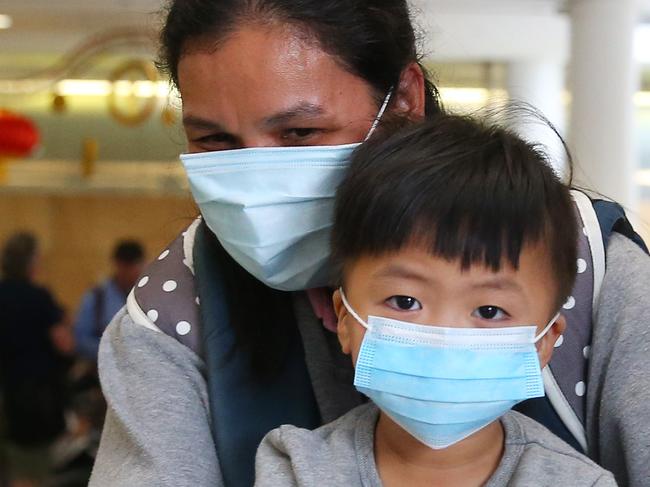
{"x": 270, "y": 85}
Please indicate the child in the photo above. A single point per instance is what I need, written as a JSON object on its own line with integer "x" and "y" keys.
{"x": 456, "y": 247}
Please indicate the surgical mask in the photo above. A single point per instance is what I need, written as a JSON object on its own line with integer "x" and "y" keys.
{"x": 442, "y": 385}
{"x": 272, "y": 207}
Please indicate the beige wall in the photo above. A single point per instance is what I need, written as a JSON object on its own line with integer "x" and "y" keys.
{"x": 77, "y": 232}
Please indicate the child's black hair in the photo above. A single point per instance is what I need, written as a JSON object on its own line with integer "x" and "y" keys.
{"x": 465, "y": 189}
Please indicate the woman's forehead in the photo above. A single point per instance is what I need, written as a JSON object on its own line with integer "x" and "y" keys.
{"x": 260, "y": 74}
{"x": 261, "y": 60}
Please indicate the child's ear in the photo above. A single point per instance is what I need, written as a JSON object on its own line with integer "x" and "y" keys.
{"x": 547, "y": 343}
{"x": 342, "y": 330}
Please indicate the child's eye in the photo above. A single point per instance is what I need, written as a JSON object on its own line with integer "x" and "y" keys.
{"x": 404, "y": 303}
{"x": 490, "y": 313}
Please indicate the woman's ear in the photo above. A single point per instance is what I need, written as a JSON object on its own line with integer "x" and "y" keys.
{"x": 342, "y": 330}
{"x": 409, "y": 95}
{"x": 548, "y": 341}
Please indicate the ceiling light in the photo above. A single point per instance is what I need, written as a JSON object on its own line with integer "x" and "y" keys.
{"x": 5, "y": 21}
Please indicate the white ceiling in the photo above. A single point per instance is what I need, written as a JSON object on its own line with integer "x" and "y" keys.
{"x": 55, "y": 26}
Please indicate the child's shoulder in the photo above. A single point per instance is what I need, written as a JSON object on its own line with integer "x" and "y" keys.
{"x": 339, "y": 432}
{"x": 534, "y": 454}
{"x": 337, "y": 451}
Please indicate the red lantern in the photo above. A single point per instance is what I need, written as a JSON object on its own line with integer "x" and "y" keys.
{"x": 18, "y": 135}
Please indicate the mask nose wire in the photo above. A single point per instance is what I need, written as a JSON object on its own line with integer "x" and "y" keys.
{"x": 380, "y": 114}
{"x": 351, "y": 311}
{"x": 547, "y": 327}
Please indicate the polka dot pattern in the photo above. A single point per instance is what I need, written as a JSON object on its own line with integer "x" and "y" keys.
{"x": 582, "y": 266}
{"x": 183, "y": 328}
{"x": 570, "y": 303}
{"x": 169, "y": 286}
{"x": 570, "y": 355}
{"x": 167, "y": 295}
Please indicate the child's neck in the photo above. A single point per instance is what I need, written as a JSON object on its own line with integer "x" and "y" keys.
{"x": 403, "y": 460}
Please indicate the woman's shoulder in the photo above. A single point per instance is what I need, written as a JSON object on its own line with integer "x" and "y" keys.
{"x": 625, "y": 256}
{"x": 165, "y": 297}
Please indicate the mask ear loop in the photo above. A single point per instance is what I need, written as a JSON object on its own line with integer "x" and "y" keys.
{"x": 547, "y": 327}
{"x": 351, "y": 311}
{"x": 380, "y": 114}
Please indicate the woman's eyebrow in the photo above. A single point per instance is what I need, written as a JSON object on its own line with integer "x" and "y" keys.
{"x": 301, "y": 109}
{"x": 202, "y": 123}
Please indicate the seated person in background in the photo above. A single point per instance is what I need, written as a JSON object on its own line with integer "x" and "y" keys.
{"x": 456, "y": 247}
{"x": 100, "y": 304}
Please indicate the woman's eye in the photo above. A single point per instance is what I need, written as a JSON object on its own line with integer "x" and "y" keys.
{"x": 299, "y": 133}
{"x": 215, "y": 141}
{"x": 490, "y": 313}
{"x": 404, "y": 303}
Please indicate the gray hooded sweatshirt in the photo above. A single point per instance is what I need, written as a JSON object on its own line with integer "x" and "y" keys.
{"x": 157, "y": 430}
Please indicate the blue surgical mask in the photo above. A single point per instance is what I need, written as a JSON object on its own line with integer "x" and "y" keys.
{"x": 444, "y": 384}
{"x": 272, "y": 207}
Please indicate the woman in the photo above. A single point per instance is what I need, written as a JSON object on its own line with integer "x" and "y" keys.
{"x": 193, "y": 384}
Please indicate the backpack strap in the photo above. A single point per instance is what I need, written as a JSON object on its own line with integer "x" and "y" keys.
{"x": 563, "y": 410}
{"x": 165, "y": 298}
{"x": 243, "y": 407}
{"x": 612, "y": 218}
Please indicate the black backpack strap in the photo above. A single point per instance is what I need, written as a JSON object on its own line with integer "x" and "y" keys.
{"x": 612, "y": 218}
{"x": 243, "y": 408}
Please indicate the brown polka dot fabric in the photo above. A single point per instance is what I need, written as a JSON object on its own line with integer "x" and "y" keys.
{"x": 571, "y": 354}
{"x": 167, "y": 294}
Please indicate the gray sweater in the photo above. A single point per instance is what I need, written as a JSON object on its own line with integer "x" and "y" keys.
{"x": 342, "y": 452}
{"x": 157, "y": 429}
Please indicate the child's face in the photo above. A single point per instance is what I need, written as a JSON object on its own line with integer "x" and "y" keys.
{"x": 412, "y": 285}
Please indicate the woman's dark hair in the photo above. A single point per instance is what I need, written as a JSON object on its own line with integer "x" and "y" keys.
{"x": 462, "y": 189}
{"x": 373, "y": 39}
{"x": 18, "y": 256}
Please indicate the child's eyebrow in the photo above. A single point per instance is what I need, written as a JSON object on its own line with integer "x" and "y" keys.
{"x": 403, "y": 272}
{"x": 499, "y": 283}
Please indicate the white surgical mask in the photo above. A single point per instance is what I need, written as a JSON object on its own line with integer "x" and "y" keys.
{"x": 272, "y": 207}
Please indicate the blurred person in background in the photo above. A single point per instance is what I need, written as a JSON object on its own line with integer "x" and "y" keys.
{"x": 34, "y": 344}
{"x": 102, "y": 302}
{"x": 74, "y": 455}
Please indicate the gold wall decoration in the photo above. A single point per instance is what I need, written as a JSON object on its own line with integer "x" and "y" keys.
{"x": 131, "y": 109}
{"x": 89, "y": 155}
{"x": 59, "y": 104}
